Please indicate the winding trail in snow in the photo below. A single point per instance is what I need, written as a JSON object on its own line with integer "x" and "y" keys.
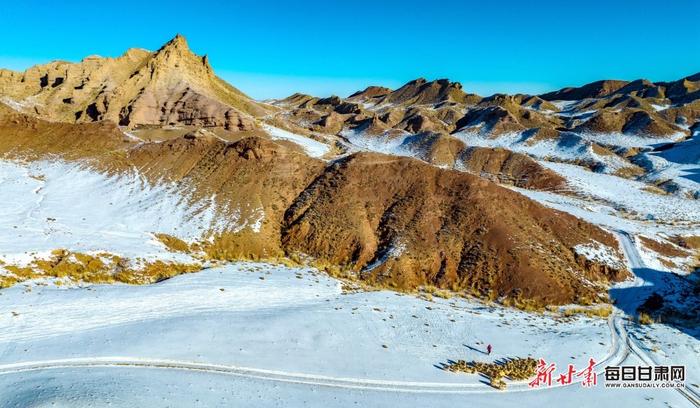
{"x": 632, "y": 345}
{"x": 271, "y": 375}
{"x": 616, "y": 355}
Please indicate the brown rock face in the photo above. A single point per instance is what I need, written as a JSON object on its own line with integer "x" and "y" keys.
{"x": 421, "y": 92}
{"x": 511, "y": 168}
{"x": 596, "y": 89}
{"x": 252, "y": 179}
{"x": 189, "y": 108}
{"x": 169, "y": 86}
{"x": 29, "y": 136}
{"x": 370, "y": 92}
{"x": 629, "y": 121}
{"x": 434, "y": 226}
{"x": 398, "y": 221}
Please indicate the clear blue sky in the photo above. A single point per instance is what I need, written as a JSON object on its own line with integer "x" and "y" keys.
{"x": 272, "y": 48}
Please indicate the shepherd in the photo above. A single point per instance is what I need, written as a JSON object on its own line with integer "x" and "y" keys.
{"x": 488, "y": 349}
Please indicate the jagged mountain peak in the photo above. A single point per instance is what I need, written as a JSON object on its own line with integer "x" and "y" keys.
{"x": 178, "y": 41}
{"x": 169, "y": 86}
{"x": 177, "y": 45}
{"x": 422, "y": 91}
{"x": 595, "y": 89}
{"x": 371, "y": 91}
{"x": 176, "y": 53}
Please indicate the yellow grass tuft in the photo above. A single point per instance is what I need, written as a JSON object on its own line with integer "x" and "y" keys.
{"x": 99, "y": 268}
{"x": 173, "y": 243}
{"x": 645, "y": 318}
{"x": 603, "y": 311}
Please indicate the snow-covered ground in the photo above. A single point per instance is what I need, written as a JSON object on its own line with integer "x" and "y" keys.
{"x": 52, "y": 204}
{"x": 679, "y": 165}
{"x": 656, "y": 344}
{"x": 254, "y": 334}
{"x": 227, "y": 335}
{"x": 312, "y": 147}
{"x": 569, "y": 147}
{"x": 628, "y": 195}
{"x": 392, "y": 143}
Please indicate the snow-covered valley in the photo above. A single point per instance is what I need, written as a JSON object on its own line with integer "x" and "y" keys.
{"x": 261, "y": 333}
{"x": 226, "y": 334}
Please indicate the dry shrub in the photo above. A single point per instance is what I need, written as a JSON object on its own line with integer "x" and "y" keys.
{"x": 645, "y": 318}
{"x": 99, "y": 268}
{"x": 242, "y": 245}
{"x": 524, "y": 304}
{"x": 431, "y": 291}
{"x": 155, "y": 272}
{"x": 602, "y": 312}
{"x": 173, "y": 243}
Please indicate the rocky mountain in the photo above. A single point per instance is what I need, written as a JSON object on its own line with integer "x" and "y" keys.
{"x": 638, "y": 108}
{"x": 596, "y": 89}
{"x": 600, "y": 125}
{"x": 426, "y": 184}
{"x": 440, "y": 227}
{"x": 428, "y": 226}
{"x": 417, "y": 92}
{"x": 171, "y": 86}
{"x": 681, "y": 91}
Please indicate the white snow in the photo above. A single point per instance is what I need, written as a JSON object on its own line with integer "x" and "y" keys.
{"x": 299, "y": 328}
{"x": 52, "y": 205}
{"x": 388, "y": 143}
{"x": 292, "y": 332}
{"x": 564, "y": 105}
{"x": 569, "y": 147}
{"x": 660, "y": 107}
{"x": 628, "y": 195}
{"x": 269, "y": 335}
{"x": 626, "y": 140}
{"x": 679, "y": 164}
{"x": 595, "y": 251}
{"x": 312, "y": 147}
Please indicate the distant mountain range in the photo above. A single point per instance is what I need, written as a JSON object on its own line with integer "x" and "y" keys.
{"x": 406, "y": 191}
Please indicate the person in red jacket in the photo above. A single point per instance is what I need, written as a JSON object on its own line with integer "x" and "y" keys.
{"x": 488, "y": 349}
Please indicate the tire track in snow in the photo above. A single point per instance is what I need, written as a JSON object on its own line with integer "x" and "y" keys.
{"x": 253, "y": 373}
{"x": 635, "y": 346}
{"x": 271, "y": 375}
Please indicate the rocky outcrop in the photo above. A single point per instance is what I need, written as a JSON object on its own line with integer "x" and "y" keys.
{"x": 629, "y": 121}
{"x": 440, "y": 227}
{"x": 596, "y": 89}
{"x": 168, "y": 86}
{"x": 370, "y": 93}
{"x": 507, "y": 167}
{"x": 422, "y": 92}
{"x": 427, "y": 226}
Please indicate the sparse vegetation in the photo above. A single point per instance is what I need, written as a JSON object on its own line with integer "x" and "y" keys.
{"x": 173, "y": 243}
{"x": 526, "y": 305}
{"x": 655, "y": 190}
{"x": 602, "y": 311}
{"x": 441, "y": 293}
{"x": 664, "y": 248}
{"x": 98, "y": 268}
{"x": 645, "y": 318}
